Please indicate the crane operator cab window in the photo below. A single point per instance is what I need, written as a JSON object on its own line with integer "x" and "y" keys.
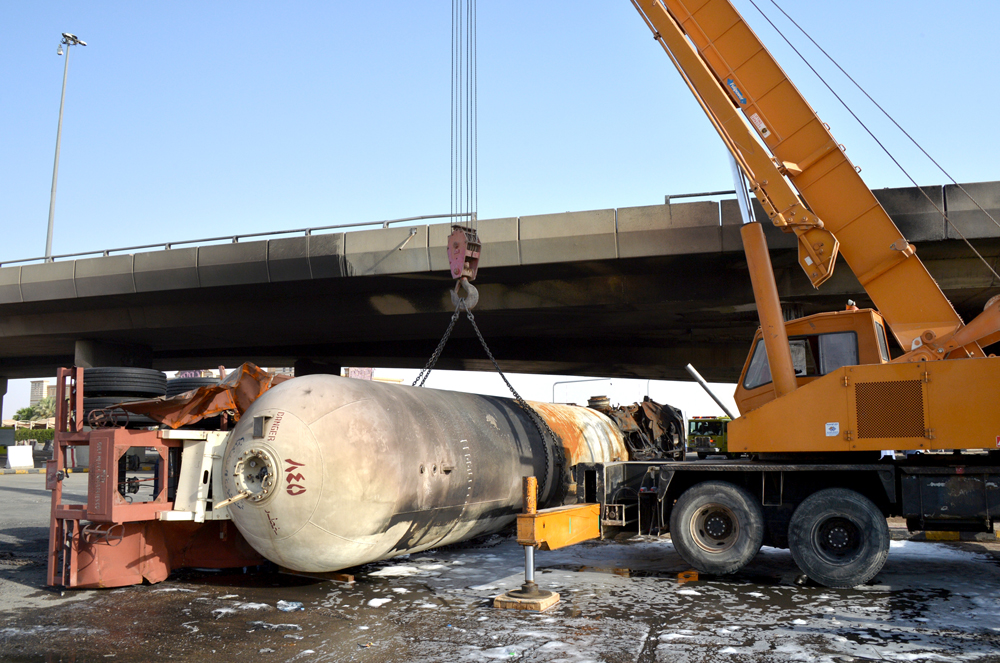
{"x": 883, "y": 347}
{"x": 811, "y": 356}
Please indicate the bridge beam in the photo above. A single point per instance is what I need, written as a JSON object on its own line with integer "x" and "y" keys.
{"x": 89, "y": 353}
{"x": 636, "y": 291}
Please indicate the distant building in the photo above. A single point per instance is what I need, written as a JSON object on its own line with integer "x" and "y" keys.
{"x": 282, "y": 370}
{"x": 39, "y": 390}
{"x": 203, "y": 373}
{"x": 359, "y": 373}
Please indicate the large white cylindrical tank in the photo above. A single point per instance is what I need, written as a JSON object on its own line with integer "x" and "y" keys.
{"x": 342, "y": 472}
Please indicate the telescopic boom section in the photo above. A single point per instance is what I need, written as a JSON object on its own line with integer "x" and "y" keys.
{"x": 809, "y": 187}
{"x": 817, "y": 247}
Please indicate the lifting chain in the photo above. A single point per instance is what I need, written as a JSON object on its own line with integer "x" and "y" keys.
{"x": 426, "y": 371}
{"x": 550, "y": 441}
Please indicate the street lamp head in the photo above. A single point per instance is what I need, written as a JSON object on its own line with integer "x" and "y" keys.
{"x": 72, "y": 40}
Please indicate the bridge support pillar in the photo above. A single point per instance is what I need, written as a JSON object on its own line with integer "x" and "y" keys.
{"x": 90, "y": 353}
{"x": 310, "y": 367}
{"x": 3, "y": 391}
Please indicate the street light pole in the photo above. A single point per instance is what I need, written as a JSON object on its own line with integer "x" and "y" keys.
{"x": 67, "y": 40}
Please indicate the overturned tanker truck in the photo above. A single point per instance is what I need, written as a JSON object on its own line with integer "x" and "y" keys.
{"x": 320, "y": 473}
{"x": 340, "y": 472}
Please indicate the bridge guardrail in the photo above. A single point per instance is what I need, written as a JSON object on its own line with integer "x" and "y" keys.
{"x": 236, "y": 238}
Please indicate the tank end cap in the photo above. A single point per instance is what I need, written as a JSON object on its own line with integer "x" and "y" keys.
{"x": 256, "y": 472}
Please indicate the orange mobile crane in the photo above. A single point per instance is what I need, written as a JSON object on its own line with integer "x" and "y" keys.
{"x": 818, "y": 396}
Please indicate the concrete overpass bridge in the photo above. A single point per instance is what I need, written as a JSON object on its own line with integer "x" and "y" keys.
{"x": 629, "y": 292}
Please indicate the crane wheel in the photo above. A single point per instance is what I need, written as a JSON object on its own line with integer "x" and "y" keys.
{"x": 839, "y": 537}
{"x": 717, "y": 527}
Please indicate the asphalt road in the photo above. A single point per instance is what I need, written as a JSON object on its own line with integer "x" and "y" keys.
{"x": 620, "y": 602}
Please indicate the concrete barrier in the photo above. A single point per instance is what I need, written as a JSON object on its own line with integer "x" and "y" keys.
{"x": 111, "y": 275}
{"x": 678, "y": 228}
{"x": 916, "y": 212}
{"x": 20, "y": 457}
{"x": 288, "y": 259}
{"x": 10, "y": 285}
{"x": 966, "y": 216}
{"x": 326, "y": 257}
{"x": 568, "y": 237}
{"x": 53, "y": 280}
{"x": 387, "y": 250}
{"x": 174, "y": 269}
{"x": 232, "y": 264}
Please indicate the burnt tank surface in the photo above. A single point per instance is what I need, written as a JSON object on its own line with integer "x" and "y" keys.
{"x": 341, "y": 472}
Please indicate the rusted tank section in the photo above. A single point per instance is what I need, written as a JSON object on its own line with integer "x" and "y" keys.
{"x": 341, "y": 472}
{"x": 587, "y": 436}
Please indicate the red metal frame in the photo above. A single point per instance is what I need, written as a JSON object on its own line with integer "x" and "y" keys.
{"x": 108, "y": 541}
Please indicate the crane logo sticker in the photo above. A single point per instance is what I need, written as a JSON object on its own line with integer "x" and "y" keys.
{"x": 293, "y": 478}
{"x": 759, "y": 123}
{"x": 833, "y": 429}
{"x": 739, "y": 95}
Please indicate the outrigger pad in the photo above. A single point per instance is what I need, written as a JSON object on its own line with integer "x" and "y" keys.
{"x": 511, "y": 601}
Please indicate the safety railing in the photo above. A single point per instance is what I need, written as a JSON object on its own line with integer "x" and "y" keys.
{"x": 235, "y": 239}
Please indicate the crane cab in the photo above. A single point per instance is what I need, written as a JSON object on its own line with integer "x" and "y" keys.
{"x": 820, "y": 343}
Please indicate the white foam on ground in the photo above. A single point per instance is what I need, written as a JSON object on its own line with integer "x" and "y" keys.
{"x": 398, "y": 571}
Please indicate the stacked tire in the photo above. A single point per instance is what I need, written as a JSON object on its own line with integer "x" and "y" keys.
{"x": 179, "y": 386}
{"x": 106, "y": 387}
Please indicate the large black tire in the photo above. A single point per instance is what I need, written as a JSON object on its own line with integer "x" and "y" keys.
{"x": 717, "y": 527}
{"x": 839, "y": 537}
{"x": 119, "y": 417}
{"x": 116, "y": 381}
{"x": 180, "y": 385}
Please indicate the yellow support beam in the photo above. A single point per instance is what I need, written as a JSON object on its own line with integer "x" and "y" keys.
{"x": 558, "y": 527}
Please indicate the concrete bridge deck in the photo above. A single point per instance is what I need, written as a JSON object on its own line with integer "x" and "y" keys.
{"x": 637, "y": 291}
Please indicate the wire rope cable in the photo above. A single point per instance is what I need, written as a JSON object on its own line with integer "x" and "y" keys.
{"x": 869, "y": 131}
{"x": 464, "y": 140}
{"x": 451, "y": 125}
{"x": 886, "y": 113}
{"x": 475, "y": 114}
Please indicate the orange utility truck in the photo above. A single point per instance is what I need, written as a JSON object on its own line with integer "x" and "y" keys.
{"x": 819, "y": 397}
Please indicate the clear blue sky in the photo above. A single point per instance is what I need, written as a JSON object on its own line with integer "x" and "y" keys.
{"x": 194, "y": 119}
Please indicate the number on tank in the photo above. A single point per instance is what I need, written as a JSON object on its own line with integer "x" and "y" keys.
{"x": 293, "y": 478}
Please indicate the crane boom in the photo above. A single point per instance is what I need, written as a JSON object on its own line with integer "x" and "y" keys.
{"x": 810, "y": 186}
